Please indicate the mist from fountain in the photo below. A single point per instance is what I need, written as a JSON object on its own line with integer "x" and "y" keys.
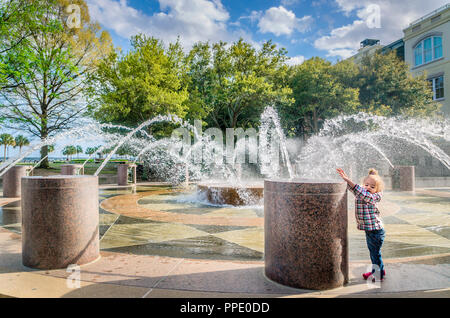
{"x": 342, "y": 142}
{"x": 363, "y": 138}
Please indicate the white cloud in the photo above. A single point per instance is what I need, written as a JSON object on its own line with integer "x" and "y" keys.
{"x": 280, "y": 21}
{"x": 299, "y": 59}
{"x": 287, "y": 3}
{"x": 343, "y": 41}
{"x": 254, "y": 16}
{"x": 191, "y": 20}
{"x": 395, "y": 16}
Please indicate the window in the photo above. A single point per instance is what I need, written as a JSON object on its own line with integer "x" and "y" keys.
{"x": 436, "y": 18}
{"x": 418, "y": 54}
{"x": 437, "y": 85}
{"x": 428, "y": 50}
{"x": 437, "y": 47}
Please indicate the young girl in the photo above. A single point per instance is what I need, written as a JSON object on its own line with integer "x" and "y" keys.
{"x": 368, "y": 216}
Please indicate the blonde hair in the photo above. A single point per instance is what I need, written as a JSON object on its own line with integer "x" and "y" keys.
{"x": 373, "y": 174}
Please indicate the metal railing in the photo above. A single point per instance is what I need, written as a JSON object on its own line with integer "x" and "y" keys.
{"x": 444, "y": 7}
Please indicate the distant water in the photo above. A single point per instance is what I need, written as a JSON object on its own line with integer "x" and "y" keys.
{"x": 36, "y": 159}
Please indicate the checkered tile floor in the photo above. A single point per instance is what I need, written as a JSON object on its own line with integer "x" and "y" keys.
{"x": 156, "y": 221}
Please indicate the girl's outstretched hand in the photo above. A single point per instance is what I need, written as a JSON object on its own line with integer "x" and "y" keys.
{"x": 342, "y": 174}
{"x": 345, "y": 177}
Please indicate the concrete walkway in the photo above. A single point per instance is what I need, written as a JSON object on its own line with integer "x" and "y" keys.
{"x": 126, "y": 275}
{"x": 417, "y": 254}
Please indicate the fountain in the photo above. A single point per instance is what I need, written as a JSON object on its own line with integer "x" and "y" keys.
{"x": 403, "y": 178}
{"x": 72, "y": 169}
{"x": 12, "y": 181}
{"x": 304, "y": 236}
{"x": 305, "y": 226}
{"x": 59, "y": 221}
{"x": 123, "y": 170}
{"x": 227, "y": 194}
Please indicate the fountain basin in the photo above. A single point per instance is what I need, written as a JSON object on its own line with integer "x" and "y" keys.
{"x": 237, "y": 195}
{"x": 305, "y": 230}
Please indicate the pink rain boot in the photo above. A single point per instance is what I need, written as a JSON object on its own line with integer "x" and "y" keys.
{"x": 367, "y": 275}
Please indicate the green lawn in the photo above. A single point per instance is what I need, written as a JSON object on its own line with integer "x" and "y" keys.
{"x": 89, "y": 169}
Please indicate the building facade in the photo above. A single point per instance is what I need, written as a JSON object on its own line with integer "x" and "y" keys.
{"x": 367, "y": 48}
{"x": 426, "y": 48}
{"x": 427, "y": 51}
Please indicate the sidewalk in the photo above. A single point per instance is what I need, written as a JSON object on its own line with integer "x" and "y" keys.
{"x": 126, "y": 275}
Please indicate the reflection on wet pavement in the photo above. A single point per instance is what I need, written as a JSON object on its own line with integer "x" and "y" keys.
{"x": 419, "y": 225}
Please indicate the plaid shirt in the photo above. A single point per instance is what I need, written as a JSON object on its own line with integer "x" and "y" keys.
{"x": 366, "y": 212}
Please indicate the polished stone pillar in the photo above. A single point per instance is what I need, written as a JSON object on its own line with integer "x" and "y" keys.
{"x": 59, "y": 221}
{"x": 305, "y": 227}
{"x": 12, "y": 181}
{"x": 403, "y": 178}
{"x": 72, "y": 169}
{"x": 122, "y": 173}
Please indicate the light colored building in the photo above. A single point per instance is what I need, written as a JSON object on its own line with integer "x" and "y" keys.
{"x": 425, "y": 46}
{"x": 368, "y": 47}
{"x": 427, "y": 51}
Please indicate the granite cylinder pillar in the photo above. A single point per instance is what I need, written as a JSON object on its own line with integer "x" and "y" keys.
{"x": 59, "y": 221}
{"x": 122, "y": 173}
{"x": 71, "y": 170}
{"x": 305, "y": 228}
{"x": 403, "y": 178}
{"x": 12, "y": 181}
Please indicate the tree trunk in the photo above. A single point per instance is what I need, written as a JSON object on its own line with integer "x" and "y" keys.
{"x": 44, "y": 151}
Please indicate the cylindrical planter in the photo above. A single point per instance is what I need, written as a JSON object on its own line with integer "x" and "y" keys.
{"x": 59, "y": 221}
{"x": 122, "y": 173}
{"x": 71, "y": 170}
{"x": 305, "y": 226}
{"x": 12, "y": 181}
{"x": 403, "y": 178}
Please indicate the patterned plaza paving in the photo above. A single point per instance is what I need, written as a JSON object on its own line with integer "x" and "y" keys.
{"x": 164, "y": 221}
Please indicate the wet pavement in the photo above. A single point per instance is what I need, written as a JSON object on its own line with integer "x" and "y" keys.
{"x": 164, "y": 221}
{"x": 157, "y": 241}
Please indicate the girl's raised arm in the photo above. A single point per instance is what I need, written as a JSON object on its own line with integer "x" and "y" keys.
{"x": 345, "y": 177}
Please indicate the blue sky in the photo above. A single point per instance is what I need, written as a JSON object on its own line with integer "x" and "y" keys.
{"x": 327, "y": 28}
{"x": 331, "y": 29}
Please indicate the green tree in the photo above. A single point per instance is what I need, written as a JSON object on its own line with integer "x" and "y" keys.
{"x": 21, "y": 141}
{"x": 6, "y": 140}
{"x": 91, "y": 150}
{"x": 78, "y": 150}
{"x": 51, "y": 148}
{"x": 142, "y": 84}
{"x": 319, "y": 94}
{"x": 233, "y": 83}
{"x": 69, "y": 151}
{"x": 387, "y": 87}
{"x": 47, "y": 80}
{"x": 17, "y": 18}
